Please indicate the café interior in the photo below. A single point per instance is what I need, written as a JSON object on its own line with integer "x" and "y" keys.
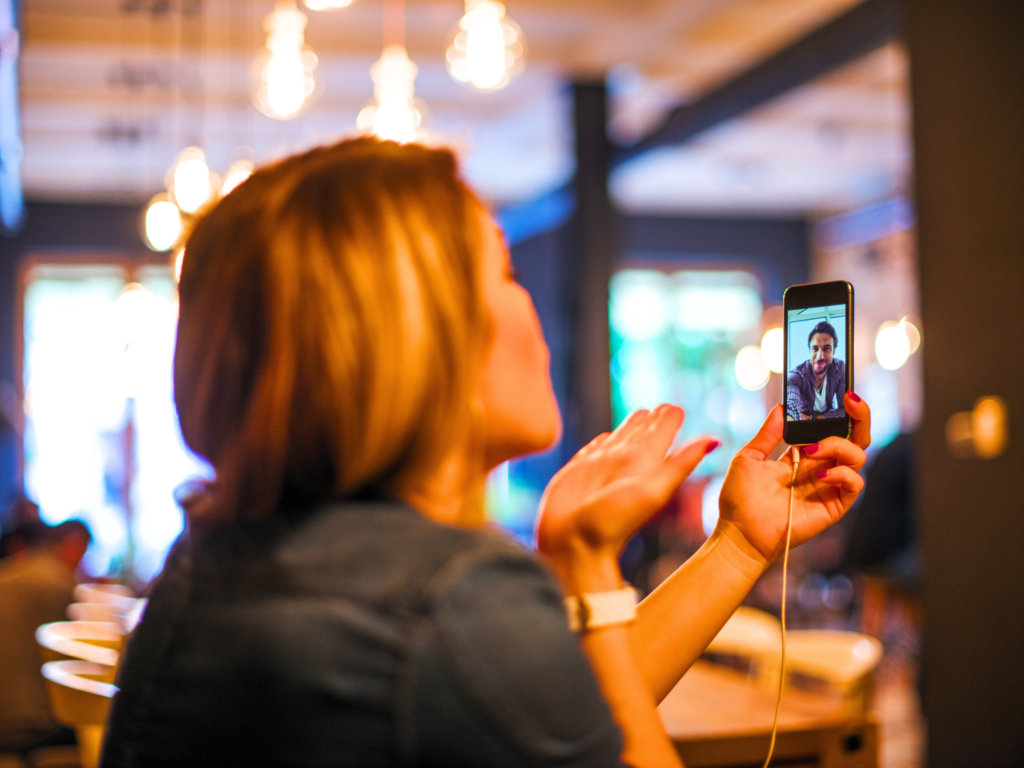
{"x": 662, "y": 170}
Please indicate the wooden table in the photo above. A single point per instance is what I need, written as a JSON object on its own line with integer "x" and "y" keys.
{"x": 716, "y": 717}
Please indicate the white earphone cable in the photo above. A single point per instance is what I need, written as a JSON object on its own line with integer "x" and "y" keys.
{"x": 785, "y": 574}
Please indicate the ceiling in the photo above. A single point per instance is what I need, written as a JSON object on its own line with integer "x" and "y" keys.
{"x": 111, "y": 90}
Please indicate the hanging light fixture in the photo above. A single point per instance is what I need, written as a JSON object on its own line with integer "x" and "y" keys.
{"x": 486, "y": 48}
{"x": 394, "y": 116}
{"x": 285, "y": 67}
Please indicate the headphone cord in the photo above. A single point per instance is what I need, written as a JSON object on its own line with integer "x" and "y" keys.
{"x": 785, "y": 574}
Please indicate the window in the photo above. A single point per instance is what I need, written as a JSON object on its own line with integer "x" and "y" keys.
{"x": 101, "y": 439}
{"x": 675, "y": 337}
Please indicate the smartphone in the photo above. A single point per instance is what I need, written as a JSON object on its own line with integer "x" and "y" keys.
{"x": 818, "y": 334}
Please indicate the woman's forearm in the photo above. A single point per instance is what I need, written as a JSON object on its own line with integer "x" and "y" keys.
{"x": 677, "y": 621}
{"x": 614, "y": 660}
{"x": 613, "y": 656}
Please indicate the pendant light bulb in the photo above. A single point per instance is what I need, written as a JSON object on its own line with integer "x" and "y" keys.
{"x": 486, "y": 48}
{"x": 285, "y": 67}
{"x": 394, "y": 116}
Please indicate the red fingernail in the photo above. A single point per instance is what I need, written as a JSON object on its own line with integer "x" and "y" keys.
{"x": 712, "y": 446}
{"x": 854, "y": 396}
{"x": 822, "y": 473}
{"x": 812, "y": 449}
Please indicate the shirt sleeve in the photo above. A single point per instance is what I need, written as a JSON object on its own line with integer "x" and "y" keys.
{"x": 497, "y": 678}
{"x": 794, "y": 396}
{"x": 840, "y": 386}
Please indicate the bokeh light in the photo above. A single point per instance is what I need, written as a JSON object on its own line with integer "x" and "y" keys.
{"x": 892, "y": 347}
{"x": 486, "y": 49}
{"x": 394, "y": 116}
{"x": 162, "y": 224}
{"x": 191, "y": 187}
{"x": 286, "y": 65}
{"x": 751, "y": 371}
{"x": 913, "y": 334}
{"x": 772, "y": 350}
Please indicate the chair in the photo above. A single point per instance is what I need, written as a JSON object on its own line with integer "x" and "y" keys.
{"x": 834, "y": 663}
{"x": 95, "y": 612}
{"x": 126, "y": 616}
{"x": 109, "y": 594}
{"x": 750, "y": 642}
{"x": 94, "y": 641}
{"x": 80, "y": 696}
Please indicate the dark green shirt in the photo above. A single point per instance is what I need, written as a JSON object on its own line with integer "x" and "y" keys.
{"x": 362, "y": 634}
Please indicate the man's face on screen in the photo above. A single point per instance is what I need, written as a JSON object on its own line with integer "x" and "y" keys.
{"x": 822, "y": 348}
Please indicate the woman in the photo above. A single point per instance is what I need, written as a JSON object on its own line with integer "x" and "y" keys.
{"x": 353, "y": 355}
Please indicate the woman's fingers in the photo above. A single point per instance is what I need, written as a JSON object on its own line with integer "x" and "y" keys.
{"x": 634, "y": 422}
{"x": 845, "y": 478}
{"x": 678, "y": 466}
{"x": 652, "y": 431}
{"x": 662, "y": 428}
{"x": 860, "y": 415}
{"x": 837, "y": 449}
{"x": 769, "y": 436}
{"x": 593, "y": 445}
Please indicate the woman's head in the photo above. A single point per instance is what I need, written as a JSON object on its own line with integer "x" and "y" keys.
{"x": 333, "y": 327}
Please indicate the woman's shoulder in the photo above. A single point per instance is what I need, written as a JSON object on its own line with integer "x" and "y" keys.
{"x": 799, "y": 373}
{"x": 353, "y": 535}
{"x": 372, "y": 551}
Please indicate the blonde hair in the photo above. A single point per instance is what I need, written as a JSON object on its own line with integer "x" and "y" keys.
{"x": 331, "y": 328}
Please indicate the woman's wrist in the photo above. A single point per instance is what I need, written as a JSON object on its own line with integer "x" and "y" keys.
{"x": 582, "y": 569}
{"x": 736, "y": 549}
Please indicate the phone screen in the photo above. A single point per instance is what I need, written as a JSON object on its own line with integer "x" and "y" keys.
{"x": 816, "y": 363}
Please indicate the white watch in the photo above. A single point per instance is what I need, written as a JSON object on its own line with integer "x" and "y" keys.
{"x": 593, "y": 610}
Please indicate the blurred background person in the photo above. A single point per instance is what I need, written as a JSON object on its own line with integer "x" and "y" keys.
{"x": 36, "y": 587}
{"x": 20, "y": 526}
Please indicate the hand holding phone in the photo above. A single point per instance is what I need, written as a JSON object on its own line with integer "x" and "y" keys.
{"x": 819, "y": 361}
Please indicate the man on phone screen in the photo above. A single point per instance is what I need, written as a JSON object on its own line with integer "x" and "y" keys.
{"x": 817, "y": 386}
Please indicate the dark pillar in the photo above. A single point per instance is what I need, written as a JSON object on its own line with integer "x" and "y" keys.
{"x": 967, "y": 70}
{"x": 592, "y": 249}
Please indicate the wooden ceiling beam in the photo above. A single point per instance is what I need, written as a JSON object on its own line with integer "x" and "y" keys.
{"x": 862, "y": 29}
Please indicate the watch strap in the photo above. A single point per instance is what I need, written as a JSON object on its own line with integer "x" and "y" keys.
{"x": 593, "y": 610}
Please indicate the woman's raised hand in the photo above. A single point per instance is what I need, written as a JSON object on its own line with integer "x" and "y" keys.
{"x": 754, "y": 505}
{"x": 612, "y": 486}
